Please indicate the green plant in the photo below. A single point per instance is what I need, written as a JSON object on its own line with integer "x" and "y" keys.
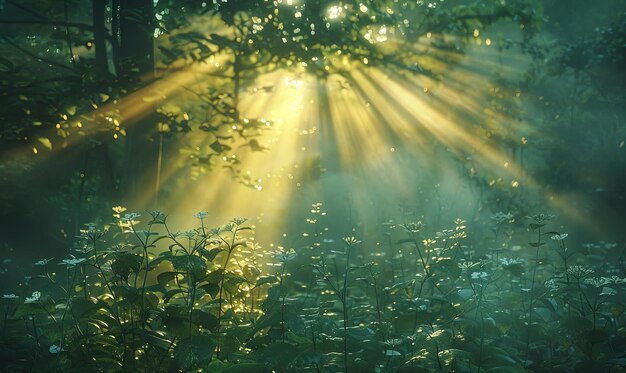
{"x": 140, "y": 297}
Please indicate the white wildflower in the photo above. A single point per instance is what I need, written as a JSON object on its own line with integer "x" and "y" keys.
{"x": 614, "y": 280}
{"x": 285, "y": 256}
{"x": 239, "y": 221}
{"x": 72, "y": 262}
{"x": 190, "y": 234}
{"x": 413, "y": 227}
{"x": 479, "y": 275}
{"x": 595, "y": 281}
{"x": 42, "y": 262}
{"x": 351, "y": 240}
{"x": 551, "y": 284}
{"x": 500, "y": 216}
{"x": 579, "y": 272}
{"x": 509, "y": 262}
{"x": 34, "y": 298}
{"x": 130, "y": 217}
{"x": 54, "y": 349}
{"x": 560, "y": 237}
{"x": 158, "y": 216}
{"x": 465, "y": 265}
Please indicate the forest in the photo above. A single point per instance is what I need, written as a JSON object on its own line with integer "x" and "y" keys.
{"x": 242, "y": 186}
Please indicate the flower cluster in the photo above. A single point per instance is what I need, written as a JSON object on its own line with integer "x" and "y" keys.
{"x": 552, "y": 285}
{"x": 479, "y": 275}
{"x": 158, "y": 217}
{"x": 91, "y": 232}
{"x": 559, "y": 237}
{"x": 34, "y": 298}
{"x": 130, "y": 217}
{"x": 351, "y": 240}
{"x": 413, "y": 227}
{"x": 614, "y": 280}
{"x": 500, "y": 216}
{"x": 285, "y": 255}
{"x": 579, "y": 272}
{"x": 72, "y": 262}
{"x": 465, "y": 265}
{"x": 54, "y": 349}
{"x": 42, "y": 262}
{"x": 506, "y": 262}
{"x": 601, "y": 281}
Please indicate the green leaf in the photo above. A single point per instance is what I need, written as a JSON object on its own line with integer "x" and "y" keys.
{"x": 205, "y": 319}
{"x": 544, "y": 313}
{"x": 360, "y": 333}
{"x": 251, "y": 273}
{"x": 246, "y": 368}
{"x": 156, "y": 339}
{"x": 190, "y": 263}
{"x": 296, "y": 338}
{"x": 210, "y": 255}
{"x": 465, "y": 293}
{"x": 214, "y": 277}
{"x": 6, "y": 65}
{"x": 608, "y": 291}
{"x": 129, "y": 293}
{"x": 83, "y": 308}
{"x": 165, "y": 277}
{"x": 170, "y": 294}
{"x": 43, "y": 306}
{"x": 125, "y": 263}
{"x": 266, "y": 280}
{"x": 194, "y": 351}
{"x": 232, "y": 282}
{"x": 217, "y": 366}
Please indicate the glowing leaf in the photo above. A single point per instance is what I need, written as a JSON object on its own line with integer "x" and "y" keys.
{"x": 45, "y": 142}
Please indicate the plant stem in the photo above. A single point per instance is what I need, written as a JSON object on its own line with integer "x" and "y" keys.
{"x": 344, "y": 303}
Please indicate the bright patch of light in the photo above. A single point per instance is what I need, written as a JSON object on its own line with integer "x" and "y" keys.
{"x": 334, "y": 12}
{"x": 295, "y": 83}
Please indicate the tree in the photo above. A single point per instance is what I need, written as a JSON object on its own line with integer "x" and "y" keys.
{"x": 86, "y": 79}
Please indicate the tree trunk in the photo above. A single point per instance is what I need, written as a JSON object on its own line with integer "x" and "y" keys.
{"x": 99, "y": 36}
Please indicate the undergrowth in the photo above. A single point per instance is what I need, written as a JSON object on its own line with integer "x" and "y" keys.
{"x": 139, "y": 297}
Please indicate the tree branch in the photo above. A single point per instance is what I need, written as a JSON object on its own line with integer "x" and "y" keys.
{"x": 78, "y": 25}
{"x": 27, "y": 10}
{"x": 30, "y": 54}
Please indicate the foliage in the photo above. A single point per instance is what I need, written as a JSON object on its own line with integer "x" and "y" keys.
{"x": 55, "y": 93}
{"x": 139, "y": 297}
